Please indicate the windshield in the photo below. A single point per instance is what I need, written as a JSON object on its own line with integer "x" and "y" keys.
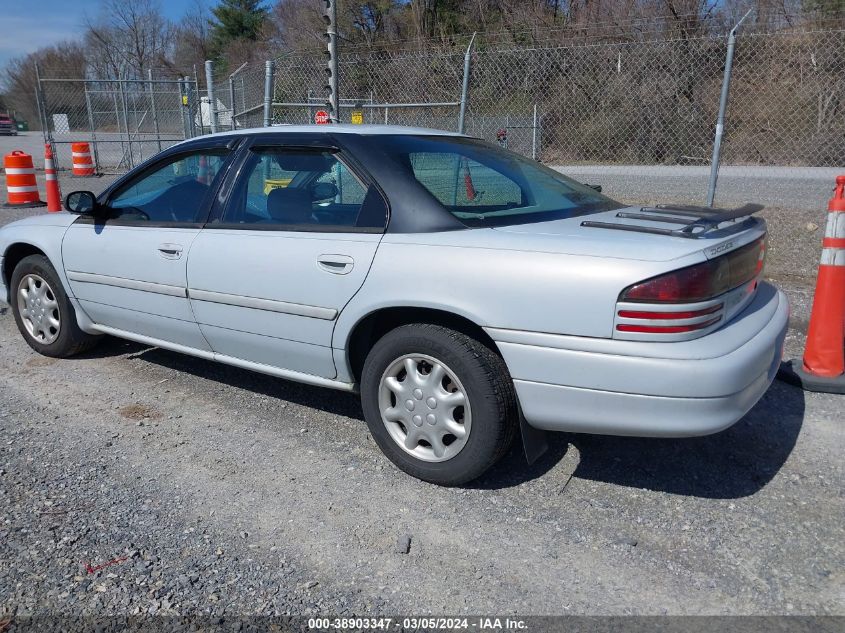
{"x": 482, "y": 184}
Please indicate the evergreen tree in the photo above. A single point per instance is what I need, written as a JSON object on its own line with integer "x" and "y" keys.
{"x": 236, "y": 20}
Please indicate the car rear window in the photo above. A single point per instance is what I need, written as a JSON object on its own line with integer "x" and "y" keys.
{"x": 484, "y": 185}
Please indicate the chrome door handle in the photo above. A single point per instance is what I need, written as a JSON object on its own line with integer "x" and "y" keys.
{"x": 170, "y": 251}
{"x": 336, "y": 264}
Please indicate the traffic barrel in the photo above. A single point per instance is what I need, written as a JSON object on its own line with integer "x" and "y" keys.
{"x": 21, "y": 188}
{"x": 823, "y": 367}
{"x": 54, "y": 194}
{"x": 83, "y": 164}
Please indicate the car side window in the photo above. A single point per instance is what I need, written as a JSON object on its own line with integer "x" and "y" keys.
{"x": 172, "y": 192}
{"x": 458, "y": 182}
{"x": 299, "y": 188}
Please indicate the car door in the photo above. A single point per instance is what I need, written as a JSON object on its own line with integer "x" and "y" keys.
{"x": 295, "y": 241}
{"x": 128, "y": 266}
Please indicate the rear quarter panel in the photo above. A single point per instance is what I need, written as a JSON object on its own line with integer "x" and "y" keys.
{"x": 484, "y": 276}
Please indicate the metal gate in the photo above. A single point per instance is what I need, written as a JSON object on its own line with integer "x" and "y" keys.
{"x": 125, "y": 121}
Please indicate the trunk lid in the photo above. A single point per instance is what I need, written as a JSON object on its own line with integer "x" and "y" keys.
{"x": 645, "y": 236}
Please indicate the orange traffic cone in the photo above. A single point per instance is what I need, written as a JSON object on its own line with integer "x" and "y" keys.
{"x": 202, "y": 171}
{"x": 54, "y": 194}
{"x": 823, "y": 368}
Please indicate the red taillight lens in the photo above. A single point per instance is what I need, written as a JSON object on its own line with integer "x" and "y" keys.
{"x": 673, "y": 328}
{"x": 689, "y": 314}
{"x": 667, "y": 329}
{"x": 702, "y": 281}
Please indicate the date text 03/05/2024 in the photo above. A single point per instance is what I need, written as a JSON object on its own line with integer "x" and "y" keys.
{"x": 416, "y": 623}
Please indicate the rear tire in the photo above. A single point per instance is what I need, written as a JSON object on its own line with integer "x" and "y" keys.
{"x": 43, "y": 313}
{"x": 440, "y": 404}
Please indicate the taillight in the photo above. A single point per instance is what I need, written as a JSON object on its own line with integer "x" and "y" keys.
{"x": 703, "y": 281}
{"x": 688, "y": 314}
{"x": 669, "y": 329}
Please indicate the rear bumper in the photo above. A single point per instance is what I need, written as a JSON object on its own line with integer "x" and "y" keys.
{"x": 677, "y": 389}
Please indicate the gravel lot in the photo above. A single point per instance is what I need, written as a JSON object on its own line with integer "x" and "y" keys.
{"x": 137, "y": 481}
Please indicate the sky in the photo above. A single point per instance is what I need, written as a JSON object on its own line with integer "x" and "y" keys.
{"x": 27, "y": 26}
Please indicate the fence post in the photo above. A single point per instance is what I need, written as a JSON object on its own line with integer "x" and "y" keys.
{"x": 198, "y": 101}
{"x": 334, "y": 80}
{"x": 232, "y": 100}
{"x": 42, "y": 107}
{"x": 193, "y": 105}
{"x": 212, "y": 104}
{"x": 268, "y": 92}
{"x": 113, "y": 90}
{"x": 126, "y": 123}
{"x": 138, "y": 123}
{"x": 183, "y": 107}
{"x": 465, "y": 86}
{"x": 534, "y": 135}
{"x": 723, "y": 106}
{"x": 232, "y": 91}
{"x": 91, "y": 126}
{"x": 243, "y": 94}
{"x": 153, "y": 108}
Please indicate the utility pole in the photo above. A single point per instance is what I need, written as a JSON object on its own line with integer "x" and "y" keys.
{"x": 330, "y": 18}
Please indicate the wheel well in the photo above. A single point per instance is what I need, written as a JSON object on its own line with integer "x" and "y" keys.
{"x": 375, "y": 325}
{"x": 14, "y": 254}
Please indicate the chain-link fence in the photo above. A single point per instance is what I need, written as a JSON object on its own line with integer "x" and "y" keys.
{"x": 124, "y": 121}
{"x": 601, "y": 110}
{"x": 606, "y": 111}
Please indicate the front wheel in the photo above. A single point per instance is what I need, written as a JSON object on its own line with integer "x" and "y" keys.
{"x": 43, "y": 312}
{"x": 440, "y": 404}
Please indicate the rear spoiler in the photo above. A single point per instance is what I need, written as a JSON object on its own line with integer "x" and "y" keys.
{"x": 693, "y": 222}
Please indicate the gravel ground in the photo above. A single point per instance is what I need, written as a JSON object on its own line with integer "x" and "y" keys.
{"x": 137, "y": 481}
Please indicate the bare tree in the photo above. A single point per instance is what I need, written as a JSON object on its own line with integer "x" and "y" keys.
{"x": 64, "y": 60}
{"x": 128, "y": 37}
{"x": 191, "y": 44}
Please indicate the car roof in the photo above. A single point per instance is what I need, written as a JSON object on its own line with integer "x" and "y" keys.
{"x": 342, "y": 128}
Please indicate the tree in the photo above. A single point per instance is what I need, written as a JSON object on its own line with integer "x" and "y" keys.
{"x": 237, "y": 20}
{"x": 127, "y": 38}
{"x": 191, "y": 40}
{"x": 298, "y": 24}
{"x": 65, "y": 60}
{"x": 825, "y": 8}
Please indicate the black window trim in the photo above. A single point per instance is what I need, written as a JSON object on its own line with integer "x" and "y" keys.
{"x": 261, "y": 142}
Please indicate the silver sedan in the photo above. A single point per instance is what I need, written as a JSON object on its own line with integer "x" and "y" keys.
{"x": 471, "y": 295}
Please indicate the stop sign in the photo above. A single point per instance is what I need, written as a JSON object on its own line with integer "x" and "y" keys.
{"x": 321, "y": 117}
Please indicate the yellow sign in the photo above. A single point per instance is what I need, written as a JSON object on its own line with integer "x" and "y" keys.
{"x": 357, "y": 117}
{"x": 277, "y": 183}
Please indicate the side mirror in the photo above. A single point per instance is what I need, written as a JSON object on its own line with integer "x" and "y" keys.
{"x": 596, "y": 187}
{"x": 81, "y": 202}
{"x": 323, "y": 191}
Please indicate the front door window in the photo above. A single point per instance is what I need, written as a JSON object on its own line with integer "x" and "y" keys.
{"x": 172, "y": 192}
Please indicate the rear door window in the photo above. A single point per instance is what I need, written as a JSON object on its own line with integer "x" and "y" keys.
{"x": 301, "y": 189}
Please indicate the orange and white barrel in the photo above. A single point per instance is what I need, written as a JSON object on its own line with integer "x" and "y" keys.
{"x": 21, "y": 188}
{"x": 83, "y": 164}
